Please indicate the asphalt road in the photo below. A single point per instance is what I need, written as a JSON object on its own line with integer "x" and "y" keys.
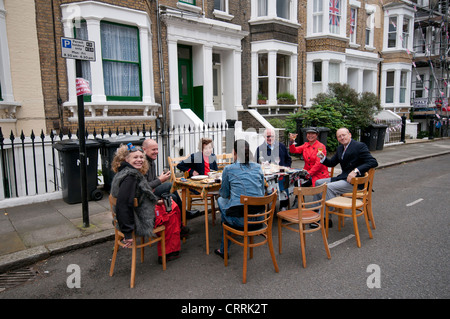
{"x": 407, "y": 258}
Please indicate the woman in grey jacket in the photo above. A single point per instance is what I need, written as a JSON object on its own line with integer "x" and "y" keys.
{"x": 129, "y": 182}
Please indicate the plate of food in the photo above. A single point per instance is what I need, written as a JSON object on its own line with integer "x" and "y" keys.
{"x": 199, "y": 177}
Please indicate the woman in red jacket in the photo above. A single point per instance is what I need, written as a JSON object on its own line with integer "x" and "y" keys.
{"x": 309, "y": 149}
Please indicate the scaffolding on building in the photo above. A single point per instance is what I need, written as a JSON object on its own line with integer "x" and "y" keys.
{"x": 431, "y": 62}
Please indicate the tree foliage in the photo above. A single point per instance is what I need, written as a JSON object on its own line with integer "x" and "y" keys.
{"x": 340, "y": 107}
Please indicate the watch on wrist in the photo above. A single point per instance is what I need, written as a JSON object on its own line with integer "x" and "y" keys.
{"x": 355, "y": 171}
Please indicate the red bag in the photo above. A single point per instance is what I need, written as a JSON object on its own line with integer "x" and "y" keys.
{"x": 172, "y": 222}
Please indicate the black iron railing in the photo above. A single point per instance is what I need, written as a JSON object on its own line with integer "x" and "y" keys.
{"x": 30, "y": 165}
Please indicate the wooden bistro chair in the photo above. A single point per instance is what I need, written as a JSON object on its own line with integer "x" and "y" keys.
{"x": 357, "y": 204}
{"x": 192, "y": 199}
{"x": 224, "y": 160}
{"x": 307, "y": 212}
{"x": 371, "y": 173}
{"x": 118, "y": 236}
{"x": 253, "y": 229}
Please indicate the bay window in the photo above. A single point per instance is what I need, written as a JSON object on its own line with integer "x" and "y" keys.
{"x": 274, "y": 70}
{"x": 121, "y": 63}
{"x": 327, "y": 17}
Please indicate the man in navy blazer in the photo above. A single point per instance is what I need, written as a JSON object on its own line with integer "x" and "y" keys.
{"x": 355, "y": 160}
{"x": 271, "y": 149}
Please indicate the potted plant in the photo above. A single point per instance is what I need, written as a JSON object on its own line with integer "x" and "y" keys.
{"x": 285, "y": 98}
{"x": 262, "y": 99}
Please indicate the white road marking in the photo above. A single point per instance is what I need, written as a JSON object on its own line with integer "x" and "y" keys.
{"x": 415, "y": 202}
{"x": 340, "y": 241}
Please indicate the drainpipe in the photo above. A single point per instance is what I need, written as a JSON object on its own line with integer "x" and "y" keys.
{"x": 164, "y": 126}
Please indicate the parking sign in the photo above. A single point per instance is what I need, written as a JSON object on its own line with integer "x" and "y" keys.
{"x": 77, "y": 49}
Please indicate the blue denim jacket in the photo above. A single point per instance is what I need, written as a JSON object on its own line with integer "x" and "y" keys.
{"x": 239, "y": 179}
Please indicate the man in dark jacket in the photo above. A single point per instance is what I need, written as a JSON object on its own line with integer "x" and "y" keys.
{"x": 355, "y": 160}
{"x": 160, "y": 184}
{"x": 271, "y": 149}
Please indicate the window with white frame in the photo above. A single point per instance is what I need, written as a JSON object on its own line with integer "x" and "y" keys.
{"x": 274, "y": 69}
{"x": 398, "y": 28}
{"x": 317, "y": 16}
{"x": 282, "y": 74}
{"x": 419, "y": 88}
{"x": 283, "y": 9}
{"x": 335, "y": 14}
{"x": 262, "y": 8}
{"x": 327, "y": 17}
{"x": 353, "y": 22}
{"x": 403, "y": 86}
{"x": 396, "y": 81}
{"x": 123, "y": 70}
{"x": 370, "y": 26}
{"x": 275, "y": 9}
{"x": 390, "y": 81}
{"x": 333, "y": 72}
{"x": 405, "y": 33}
{"x": 263, "y": 74}
{"x": 121, "y": 62}
{"x": 221, "y": 5}
{"x": 392, "y": 32}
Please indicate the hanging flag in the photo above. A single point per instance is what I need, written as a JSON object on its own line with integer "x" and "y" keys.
{"x": 82, "y": 86}
{"x": 352, "y": 20}
{"x": 334, "y": 12}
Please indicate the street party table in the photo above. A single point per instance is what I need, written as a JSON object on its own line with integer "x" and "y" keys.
{"x": 203, "y": 186}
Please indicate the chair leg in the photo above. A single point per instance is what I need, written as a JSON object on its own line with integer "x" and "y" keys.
{"x": 279, "y": 235}
{"x": 326, "y": 219}
{"x": 225, "y": 248}
{"x": 366, "y": 218}
{"x": 213, "y": 211}
{"x": 369, "y": 210}
{"x": 251, "y": 247}
{"x": 133, "y": 264}
{"x": 142, "y": 249}
{"x": 272, "y": 251}
{"x": 355, "y": 227}
{"x": 113, "y": 261}
{"x": 325, "y": 242}
{"x": 302, "y": 243}
{"x": 163, "y": 249}
{"x": 244, "y": 267}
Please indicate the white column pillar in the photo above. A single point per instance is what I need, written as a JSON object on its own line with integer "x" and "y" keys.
{"x": 208, "y": 81}
{"x": 97, "y": 85}
{"x": 325, "y": 76}
{"x": 173, "y": 74}
{"x": 146, "y": 66}
{"x": 254, "y": 77}
{"x": 237, "y": 80}
{"x": 272, "y": 71}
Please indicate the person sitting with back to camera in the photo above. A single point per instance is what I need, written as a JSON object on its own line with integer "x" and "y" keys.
{"x": 243, "y": 177}
{"x": 129, "y": 183}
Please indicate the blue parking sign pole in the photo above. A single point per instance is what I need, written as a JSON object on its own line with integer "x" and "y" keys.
{"x": 82, "y": 141}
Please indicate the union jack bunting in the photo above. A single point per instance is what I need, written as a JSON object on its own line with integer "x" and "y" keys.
{"x": 352, "y": 20}
{"x": 334, "y": 12}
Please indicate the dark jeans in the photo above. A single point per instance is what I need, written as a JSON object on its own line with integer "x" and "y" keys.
{"x": 165, "y": 188}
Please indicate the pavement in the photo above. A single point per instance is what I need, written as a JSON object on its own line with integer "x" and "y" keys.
{"x": 30, "y": 233}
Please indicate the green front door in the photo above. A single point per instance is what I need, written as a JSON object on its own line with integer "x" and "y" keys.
{"x": 185, "y": 82}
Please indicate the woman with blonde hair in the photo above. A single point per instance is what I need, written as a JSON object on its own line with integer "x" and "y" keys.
{"x": 130, "y": 182}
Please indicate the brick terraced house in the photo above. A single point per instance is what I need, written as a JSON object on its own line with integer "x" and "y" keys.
{"x": 199, "y": 61}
